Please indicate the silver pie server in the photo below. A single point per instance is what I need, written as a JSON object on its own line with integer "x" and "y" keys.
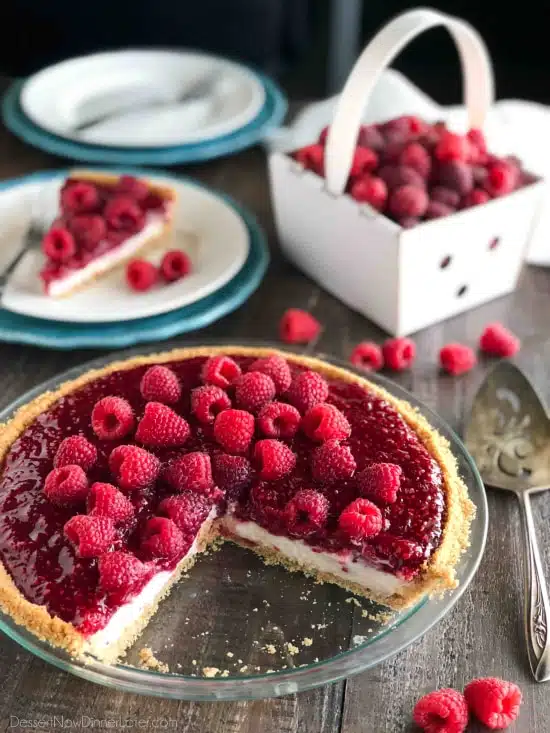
{"x": 508, "y": 435}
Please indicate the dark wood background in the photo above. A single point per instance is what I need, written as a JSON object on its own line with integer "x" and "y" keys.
{"x": 481, "y": 636}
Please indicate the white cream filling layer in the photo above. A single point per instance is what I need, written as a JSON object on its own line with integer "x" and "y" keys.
{"x": 153, "y": 227}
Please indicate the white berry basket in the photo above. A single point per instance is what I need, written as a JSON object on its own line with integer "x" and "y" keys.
{"x": 402, "y": 279}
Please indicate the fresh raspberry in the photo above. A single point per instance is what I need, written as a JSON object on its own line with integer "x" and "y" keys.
{"x": 457, "y": 358}
{"x": 367, "y": 355}
{"x": 307, "y": 390}
{"x": 191, "y": 472}
{"x": 298, "y": 327}
{"x": 254, "y": 390}
{"x": 395, "y": 176}
{"x": 497, "y": 340}
{"x": 75, "y": 450}
{"x": 456, "y": 175}
{"x": 408, "y": 124}
{"x": 408, "y": 222}
{"x": 232, "y": 474}
{"x": 416, "y": 156}
{"x": 160, "y": 384}
{"x": 371, "y": 137}
{"x": 279, "y": 420}
{"x": 475, "y": 197}
{"x": 112, "y": 418}
{"x": 364, "y": 161}
{"x": 162, "y": 539}
{"x": 88, "y": 229}
{"x": 380, "y": 482}
{"x": 132, "y": 187}
{"x": 141, "y": 275}
{"x": 277, "y": 368}
{"x": 66, "y": 485}
{"x": 325, "y": 422}
{"x": 312, "y": 158}
{"x": 332, "y": 462}
{"x": 442, "y": 711}
{"x": 208, "y": 401}
{"x": 221, "y": 371}
{"x": 493, "y": 701}
{"x": 445, "y": 196}
{"x": 274, "y": 459}
{"x": 478, "y": 145}
{"x": 105, "y": 500}
{"x": 121, "y": 573}
{"x": 452, "y": 147}
{"x": 155, "y": 202}
{"x": 58, "y": 244}
{"x": 161, "y": 427}
{"x": 306, "y": 513}
{"x": 437, "y": 209}
{"x": 175, "y": 265}
{"x": 91, "y": 536}
{"x": 187, "y": 511}
{"x": 398, "y": 548}
{"x": 234, "y": 430}
{"x": 79, "y": 197}
{"x": 370, "y": 190}
{"x": 360, "y": 520}
{"x": 408, "y": 201}
{"x": 399, "y": 353}
{"x": 133, "y": 467}
{"x": 501, "y": 179}
{"x": 124, "y": 215}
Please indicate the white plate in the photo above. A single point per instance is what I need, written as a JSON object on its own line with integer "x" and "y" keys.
{"x": 214, "y": 235}
{"x": 79, "y": 90}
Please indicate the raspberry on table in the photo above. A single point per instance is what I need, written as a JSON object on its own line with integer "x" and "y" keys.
{"x": 494, "y": 702}
{"x": 133, "y": 187}
{"x": 160, "y": 384}
{"x": 90, "y": 535}
{"x": 232, "y": 474}
{"x": 220, "y": 370}
{"x": 253, "y": 390}
{"x": 380, "y": 482}
{"x": 58, "y": 244}
{"x": 414, "y": 155}
{"x": 408, "y": 200}
{"x": 188, "y": 511}
{"x": 501, "y": 179}
{"x": 497, "y": 340}
{"x": 367, "y": 355}
{"x": 360, "y": 520}
{"x": 121, "y": 573}
{"x": 399, "y": 353}
{"x": 161, "y": 427}
{"x": 332, "y": 462}
{"x": 274, "y": 459}
{"x": 452, "y": 147}
{"x": 325, "y": 422}
{"x": 124, "y": 215}
{"x": 161, "y": 538}
{"x": 279, "y": 420}
{"x": 306, "y": 513}
{"x": 298, "y": 327}
{"x": 79, "y": 197}
{"x": 174, "y": 265}
{"x": 75, "y": 450}
{"x": 312, "y": 157}
{"x": 66, "y": 485}
{"x": 88, "y": 230}
{"x": 277, "y": 368}
{"x": 207, "y": 401}
{"x": 370, "y": 190}
{"x": 112, "y": 418}
{"x": 141, "y": 275}
{"x": 191, "y": 472}
{"x": 133, "y": 468}
{"x": 105, "y": 500}
{"x": 442, "y": 711}
{"x": 307, "y": 390}
{"x": 364, "y": 161}
{"x": 234, "y": 430}
{"x": 457, "y": 358}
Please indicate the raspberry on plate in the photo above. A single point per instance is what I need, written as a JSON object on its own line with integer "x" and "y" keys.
{"x": 112, "y": 418}
{"x": 399, "y": 353}
{"x": 90, "y": 535}
{"x": 306, "y": 513}
{"x": 79, "y": 197}
{"x": 133, "y": 468}
{"x": 325, "y": 422}
{"x": 279, "y": 420}
{"x": 123, "y": 214}
{"x": 66, "y": 485}
{"x": 208, "y": 401}
{"x": 360, "y": 520}
{"x": 497, "y": 340}
{"x": 380, "y": 482}
{"x": 307, "y": 390}
{"x": 162, "y": 539}
{"x": 442, "y": 711}
{"x": 174, "y": 265}
{"x": 332, "y": 462}
{"x": 105, "y": 500}
{"x": 88, "y": 230}
{"x": 234, "y": 430}
{"x": 58, "y": 244}
{"x": 232, "y": 474}
{"x": 277, "y": 368}
{"x": 457, "y": 358}
{"x": 133, "y": 188}
{"x": 188, "y": 511}
{"x": 220, "y": 370}
{"x": 191, "y": 472}
{"x": 77, "y": 451}
{"x": 254, "y": 390}
{"x": 494, "y": 702}
{"x": 141, "y": 275}
{"x": 298, "y": 327}
{"x": 161, "y": 427}
{"x": 274, "y": 459}
{"x": 367, "y": 355}
{"x": 121, "y": 572}
{"x": 160, "y": 384}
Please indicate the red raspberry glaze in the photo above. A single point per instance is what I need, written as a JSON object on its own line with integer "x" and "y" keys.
{"x": 47, "y": 570}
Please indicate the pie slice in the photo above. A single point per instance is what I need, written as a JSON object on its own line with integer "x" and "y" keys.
{"x": 103, "y": 221}
{"x": 111, "y": 485}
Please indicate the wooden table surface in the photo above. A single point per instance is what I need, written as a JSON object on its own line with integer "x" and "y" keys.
{"x": 481, "y": 636}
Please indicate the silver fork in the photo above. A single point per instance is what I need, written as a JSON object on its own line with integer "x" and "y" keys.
{"x": 31, "y": 240}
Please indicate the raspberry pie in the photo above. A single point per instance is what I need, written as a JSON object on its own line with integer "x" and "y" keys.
{"x": 112, "y": 485}
{"x": 103, "y": 221}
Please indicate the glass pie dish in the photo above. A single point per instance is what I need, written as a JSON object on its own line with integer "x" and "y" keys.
{"x": 235, "y": 628}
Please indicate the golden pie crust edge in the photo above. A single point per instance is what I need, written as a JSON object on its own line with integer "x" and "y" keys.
{"x": 437, "y": 574}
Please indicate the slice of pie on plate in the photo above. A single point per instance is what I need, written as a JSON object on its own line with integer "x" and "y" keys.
{"x": 103, "y": 221}
{"x": 111, "y": 485}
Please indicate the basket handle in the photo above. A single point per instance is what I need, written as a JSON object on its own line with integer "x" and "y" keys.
{"x": 477, "y": 75}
